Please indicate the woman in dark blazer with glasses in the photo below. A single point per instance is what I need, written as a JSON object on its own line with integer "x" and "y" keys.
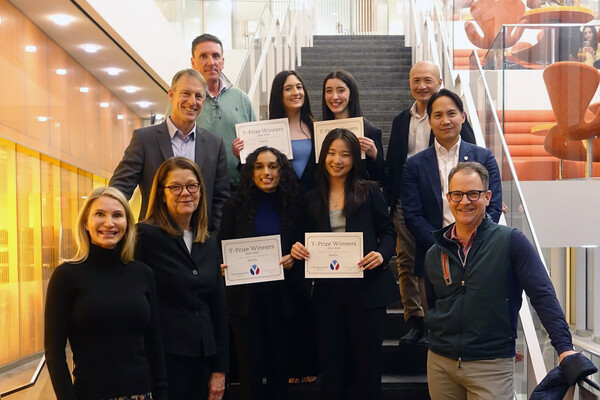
{"x": 174, "y": 241}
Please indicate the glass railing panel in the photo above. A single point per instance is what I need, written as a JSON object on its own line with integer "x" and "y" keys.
{"x": 512, "y": 102}
{"x": 468, "y": 32}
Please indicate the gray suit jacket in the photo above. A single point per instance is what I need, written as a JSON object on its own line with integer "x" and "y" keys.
{"x": 150, "y": 146}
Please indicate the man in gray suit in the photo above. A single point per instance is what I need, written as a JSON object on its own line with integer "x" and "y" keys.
{"x": 177, "y": 136}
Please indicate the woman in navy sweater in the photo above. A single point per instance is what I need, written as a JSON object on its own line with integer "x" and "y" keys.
{"x": 265, "y": 203}
{"x": 105, "y": 304}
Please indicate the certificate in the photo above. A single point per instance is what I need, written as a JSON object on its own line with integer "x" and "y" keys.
{"x": 273, "y": 133}
{"x": 252, "y": 260}
{"x": 334, "y": 255}
{"x": 322, "y": 128}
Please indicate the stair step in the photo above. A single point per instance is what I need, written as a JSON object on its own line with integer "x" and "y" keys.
{"x": 319, "y": 40}
{"x": 394, "y": 68}
{"x": 352, "y": 58}
{"x": 395, "y": 327}
{"x": 402, "y": 96}
{"x": 383, "y": 82}
{"x": 404, "y": 359}
{"x": 413, "y": 387}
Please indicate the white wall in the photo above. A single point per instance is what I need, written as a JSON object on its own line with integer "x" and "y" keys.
{"x": 141, "y": 29}
{"x": 564, "y": 213}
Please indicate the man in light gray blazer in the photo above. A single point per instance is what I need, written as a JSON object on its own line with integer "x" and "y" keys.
{"x": 177, "y": 136}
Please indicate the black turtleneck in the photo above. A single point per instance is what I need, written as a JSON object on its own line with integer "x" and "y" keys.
{"x": 107, "y": 310}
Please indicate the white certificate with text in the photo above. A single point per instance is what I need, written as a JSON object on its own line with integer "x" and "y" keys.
{"x": 334, "y": 255}
{"x": 272, "y": 133}
{"x": 322, "y": 128}
{"x": 252, "y": 260}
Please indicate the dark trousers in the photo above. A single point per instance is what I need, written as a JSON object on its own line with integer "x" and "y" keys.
{"x": 349, "y": 339}
{"x": 187, "y": 377}
{"x": 261, "y": 342}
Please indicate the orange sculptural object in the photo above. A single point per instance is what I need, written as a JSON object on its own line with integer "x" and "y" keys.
{"x": 490, "y": 15}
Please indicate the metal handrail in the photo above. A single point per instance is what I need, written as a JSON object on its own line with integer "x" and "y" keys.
{"x": 32, "y": 382}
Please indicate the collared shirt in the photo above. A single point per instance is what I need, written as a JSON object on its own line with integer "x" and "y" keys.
{"x": 452, "y": 235}
{"x": 222, "y": 86}
{"x": 419, "y": 132}
{"x": 182, "y": 146}
{"x": 446, "y": 161}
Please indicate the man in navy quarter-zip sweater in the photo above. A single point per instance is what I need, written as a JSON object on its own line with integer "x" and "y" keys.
{"x": 475, "y": 275}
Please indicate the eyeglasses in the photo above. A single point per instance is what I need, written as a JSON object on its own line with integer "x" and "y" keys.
{"x": 472, "y": 195}
{"x": 178, "y": 189}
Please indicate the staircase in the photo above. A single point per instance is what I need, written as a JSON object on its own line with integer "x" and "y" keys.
{"x": 380, "y": 65}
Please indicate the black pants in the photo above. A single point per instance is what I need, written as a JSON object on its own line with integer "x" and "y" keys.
{"x": 187, "y": 377}
{"x": 349, "y": 339}
{"x": 261, "y": 342}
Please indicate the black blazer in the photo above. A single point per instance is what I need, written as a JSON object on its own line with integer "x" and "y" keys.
{"x": 398, "y": 150}
{"x": 191, "y": 295}
{"x": 375, "y": 169}
{"x": 378, "y": 287}
{"x": 235, "y": 225}
{"x": 150, "y": 146}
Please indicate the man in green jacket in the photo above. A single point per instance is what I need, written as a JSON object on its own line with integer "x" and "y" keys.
{"x": 225, "y": 104}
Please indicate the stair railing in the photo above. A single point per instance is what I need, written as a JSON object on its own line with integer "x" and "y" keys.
{"x": 275, "y": 46}
{"x": 438, "y": 51}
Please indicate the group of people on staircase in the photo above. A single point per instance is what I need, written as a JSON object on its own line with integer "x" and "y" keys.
{"x": 145, "y": 308}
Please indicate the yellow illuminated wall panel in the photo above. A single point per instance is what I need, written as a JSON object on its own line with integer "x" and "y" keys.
{"x": 56, "y": 144}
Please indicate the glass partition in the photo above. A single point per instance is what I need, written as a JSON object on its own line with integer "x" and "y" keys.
{"x": 516, "y": 116}
{"x": 473, "y": 25}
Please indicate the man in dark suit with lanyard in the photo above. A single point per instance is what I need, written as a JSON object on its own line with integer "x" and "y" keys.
{"x": 411, "y": 134}
{"x": 178, "y": 135}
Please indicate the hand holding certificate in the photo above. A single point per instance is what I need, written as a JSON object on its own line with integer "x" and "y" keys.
{"x": 272, "y": 133}
{"x": 334, "y": 255}
{"x": 252, "y": 260}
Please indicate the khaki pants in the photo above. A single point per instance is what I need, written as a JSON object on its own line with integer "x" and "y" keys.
{"x": 474, "y": 380}
{"x": 412, "y": 289}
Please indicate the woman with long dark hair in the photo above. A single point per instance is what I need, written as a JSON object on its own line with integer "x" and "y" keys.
{"x": 265, "y": 203}
{"x": 349, "y": 313}
{"x": 289, "y": 99}
{"x": 589, "y": 47}
{"x": 341, "y": 100}
{"x": 104, "y": 303}
{"x": 174, "y": 241}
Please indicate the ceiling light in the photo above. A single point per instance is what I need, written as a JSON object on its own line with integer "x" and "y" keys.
{"x": 159, "y": 116}
{"x": 90, "y": 48}
{"x": 104, "y": 104}
{"x": 120, "y": 116}
{"x": 144, "y": 104}
{"x": 61, "y": 71}
{"x": 84, "y": 89}
{"x": 30, "y": 49}
{"x": 42, "y": 119}
{"x": 113, "y": 71}
{"x": 61, "y": 19}
{"x": 130, "y": 89}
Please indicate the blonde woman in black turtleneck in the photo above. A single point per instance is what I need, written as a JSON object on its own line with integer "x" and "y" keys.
{"x": 105, "y": 304}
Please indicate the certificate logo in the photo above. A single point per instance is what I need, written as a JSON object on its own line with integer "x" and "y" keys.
{"x": 334, "y": 265}
{"x": 254, "y": 270}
